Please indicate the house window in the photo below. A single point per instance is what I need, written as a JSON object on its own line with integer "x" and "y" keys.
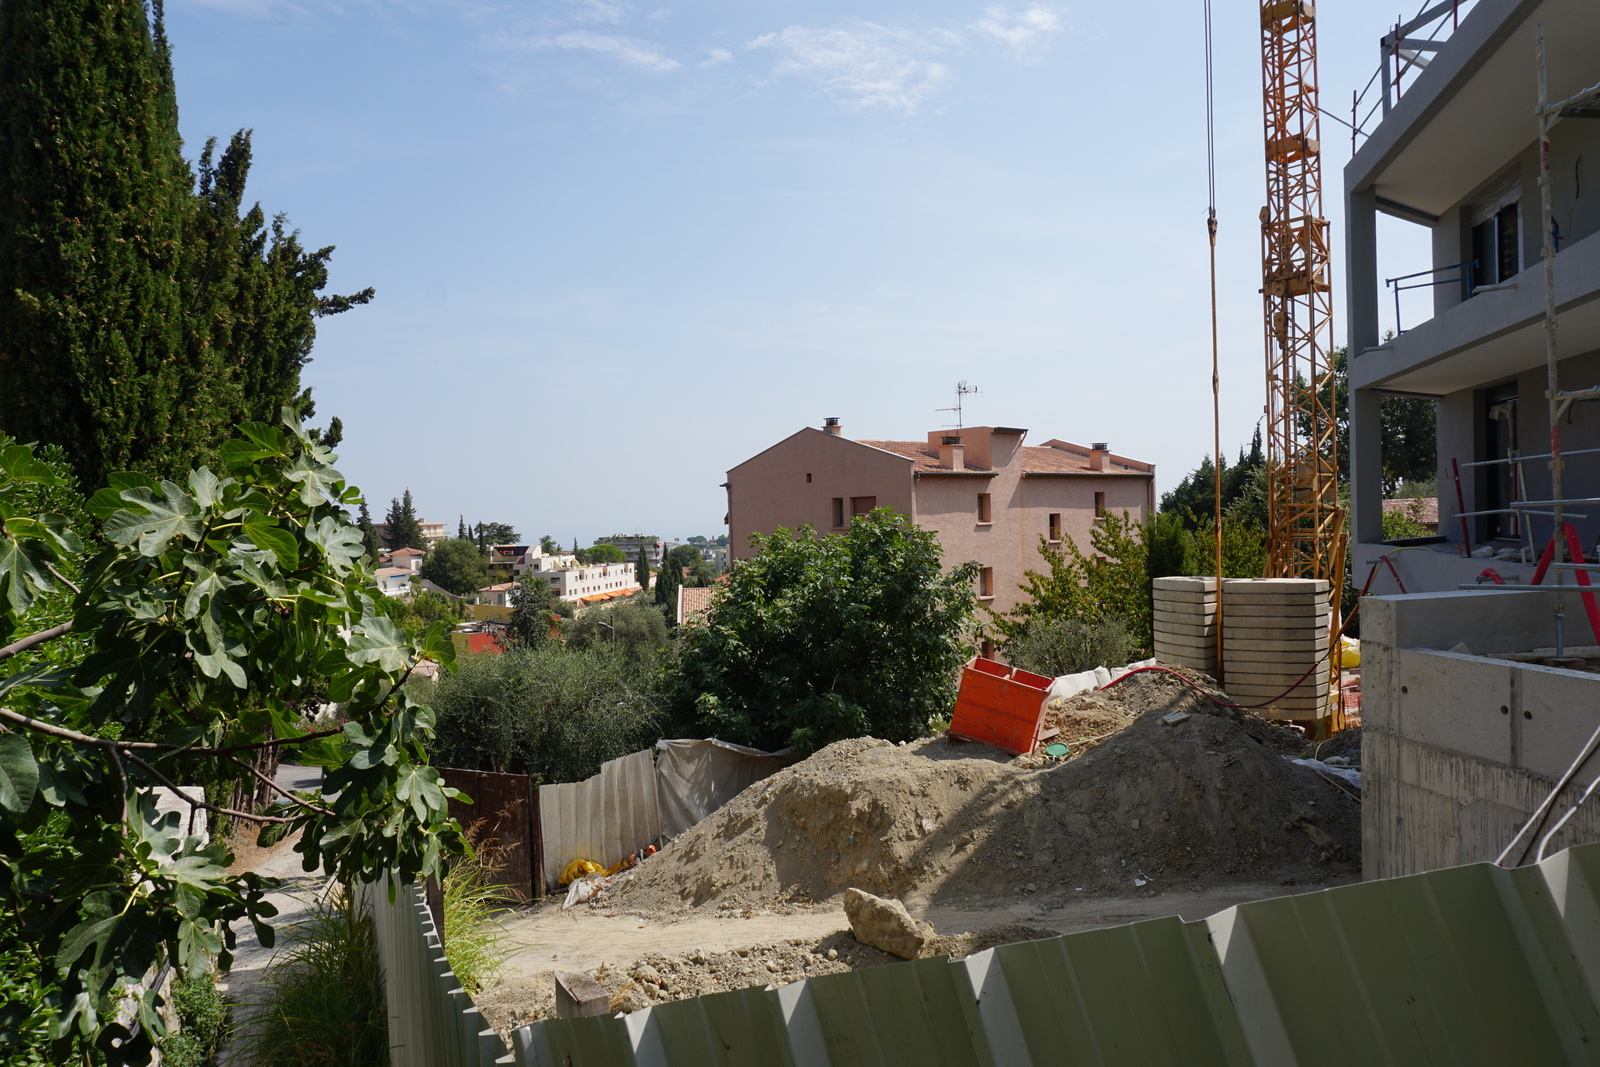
{"x": 1099, "y": 505}
{"x": 1496, "y": 249}
{"x": 1055, "y": 526}
{"x": 986, "y": 584}
{"x": 860, "y": 505}
{"x": 838, "y": 512}
{"x": 808, "y": 478}
{"x": 983, "y": 508}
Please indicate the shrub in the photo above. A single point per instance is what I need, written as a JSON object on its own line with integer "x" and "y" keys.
{"x": 553, "y": 712}
{"x": 821, "y": 637}
{"x": 635, "y": 627}
{"x": 324, "y": 995}
{"x": 202, "y": 1022}
{"x": 1066, "y": 646}
{"x": 472, "y": 939}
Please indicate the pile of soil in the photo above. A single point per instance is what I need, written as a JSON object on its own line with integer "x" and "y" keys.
{"x": 1211, "y": 799}
{"x": 660, "y": 977}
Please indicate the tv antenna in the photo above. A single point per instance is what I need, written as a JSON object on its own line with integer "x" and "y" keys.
{"x": 963, "y": 390}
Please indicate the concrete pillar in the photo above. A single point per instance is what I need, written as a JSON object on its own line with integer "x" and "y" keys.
{"x": 1361, "y": 271}
{"x": 1366, "y": 465}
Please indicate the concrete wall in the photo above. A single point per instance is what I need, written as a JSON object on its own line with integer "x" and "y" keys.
{"x": 796, "y": 480}
{"x": 1459, "y": 749}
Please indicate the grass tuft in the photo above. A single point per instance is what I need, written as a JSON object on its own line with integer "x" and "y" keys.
{"x": 473, "y": 940}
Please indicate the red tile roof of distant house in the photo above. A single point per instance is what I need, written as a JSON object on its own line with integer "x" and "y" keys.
{"x": 693, "y": 601}
{"x": 1423, "y": 509}
{"x": 502, "y": 587}
{"x": 407, "y": 552}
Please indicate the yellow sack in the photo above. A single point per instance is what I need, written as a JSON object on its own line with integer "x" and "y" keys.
{"x": 1349, "y": 652}
{"x": 579, "y": 869}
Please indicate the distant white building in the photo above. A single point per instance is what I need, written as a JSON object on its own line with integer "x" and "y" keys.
{"x": 394, "y": 581}
{"x": 576, "y": 583}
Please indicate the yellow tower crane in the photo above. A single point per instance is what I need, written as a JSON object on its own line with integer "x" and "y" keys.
{"x": 1306, "y": 528}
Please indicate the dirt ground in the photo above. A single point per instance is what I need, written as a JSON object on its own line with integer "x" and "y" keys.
{"x": 1155, "y": 814}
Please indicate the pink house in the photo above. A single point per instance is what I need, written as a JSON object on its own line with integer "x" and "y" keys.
{"x": 987, "y": 496}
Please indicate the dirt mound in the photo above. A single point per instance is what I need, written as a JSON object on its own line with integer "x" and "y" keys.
{"x": 1211, "y": 799}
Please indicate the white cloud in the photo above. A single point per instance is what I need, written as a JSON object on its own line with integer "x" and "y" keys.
{"x": 865, "y": 64}
{"x": 1026, "y": 32}
{"x": 606, "y": 11}
{"x": 629, "y": 51}
{"x": 716, "y": 58}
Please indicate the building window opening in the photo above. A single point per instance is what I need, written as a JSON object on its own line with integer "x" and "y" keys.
{"x": 1055, "y": 526}
{"x": 1496, "y": 248}
{"x": 808, "y": 478}
{"x": 1099, "y": 505}
{"x": 1500, "y": 480}
{"x": 861, "y": 505}
{"x": 838, "y": 512}
{"x": 986, "y": 583}
{"x": 983, "y": 508}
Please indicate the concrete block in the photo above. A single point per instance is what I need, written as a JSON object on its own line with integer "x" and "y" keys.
{"x": 1185, "y": 629}
{"x": 579, "y": 996}
{"x": 1280, "y": 677}
{"x": 1275, "y": 585}
{"x": 1179, "y": 583}
{"x": 1248, "y": 628}
{"x": 1249, "y": 608}
{"x": 1162, "y": 615}
{"x": 1187, "y": 647}
{"x": 1235, "y": 648}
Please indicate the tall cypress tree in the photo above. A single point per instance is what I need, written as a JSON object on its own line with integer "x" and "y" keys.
{"x": 369, "y": 532}
{"x": 140, "y": 319}
{"x": 405, "y": 529}
{"x": 93, "y": 196}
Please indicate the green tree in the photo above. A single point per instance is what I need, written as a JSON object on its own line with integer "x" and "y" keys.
{"x": 641, "y": 570}
{"x": 1110, "y": 581}
{"x": 172, "y": 653}
{"x": 552, "y": 712}
{"x": 462, "y": 533}
{"x": 93, "y": 201}
{"x": 533, "y": 608}
{"x": 603, "y": 553}
{"x": 489, "y": 534}
{"x": 548, "y": 546}
{"x": 1409, "y": 429}
{"x": 822, "y": 637}
{"x": 456, "y": 567}
{"x": 369, "y": 533}
{"x": 141, "y": 319}
{"x": 668, "y": 581}
{"x": 636, "y": 628}
{"x": 684, "y": 556}
{"x": 404, "y": 528}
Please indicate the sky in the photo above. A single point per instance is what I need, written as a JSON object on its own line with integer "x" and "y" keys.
{"x": 621, "y": 247}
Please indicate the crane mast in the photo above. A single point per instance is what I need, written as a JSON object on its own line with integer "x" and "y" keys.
{"x": 1305, "y": 521}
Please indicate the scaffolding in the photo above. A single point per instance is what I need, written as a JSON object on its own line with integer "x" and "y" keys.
{"x": 1305, "y": 522}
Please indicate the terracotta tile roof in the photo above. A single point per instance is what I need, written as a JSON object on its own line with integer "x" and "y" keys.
{"x": 695, "y": 601}
{"x": 405, "y": 552}
{"x": 926, "y": 459}
{"x": 1059, "y": 457}
{"x": 498, "y": 588}
{"x": 1425, "y": 509}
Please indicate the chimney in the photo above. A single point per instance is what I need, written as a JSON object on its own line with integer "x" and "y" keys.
{"x": 1097, "y": 455}
{"x": 831, "y": 425}
{"x": 951, "y": 453}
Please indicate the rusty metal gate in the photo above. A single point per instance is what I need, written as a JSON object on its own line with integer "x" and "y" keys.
{"x": 504, "y": 819}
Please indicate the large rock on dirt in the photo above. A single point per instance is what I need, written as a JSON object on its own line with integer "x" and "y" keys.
{"x": 885, "y": 924}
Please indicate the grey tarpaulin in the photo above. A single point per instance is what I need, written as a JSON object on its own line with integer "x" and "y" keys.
{"x": 695, "y": 778}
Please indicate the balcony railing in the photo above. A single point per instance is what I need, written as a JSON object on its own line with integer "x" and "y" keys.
{"x": 1403, "y": 52}
{"x": 1463, "y": 278}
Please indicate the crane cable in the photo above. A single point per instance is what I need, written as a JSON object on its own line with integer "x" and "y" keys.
{"x": 1216, "y": 381}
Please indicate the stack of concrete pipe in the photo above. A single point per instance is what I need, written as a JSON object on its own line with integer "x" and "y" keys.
{"x": 1185, "y": 622}
{"x": 1273, "y": 631}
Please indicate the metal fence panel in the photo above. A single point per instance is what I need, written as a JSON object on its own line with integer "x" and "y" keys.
{"x": 602, "y": 819}
{"x": 502, "y": 811}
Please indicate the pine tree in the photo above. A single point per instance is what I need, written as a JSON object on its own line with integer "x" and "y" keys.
{"x": 405, "y": 529}
{"x": 369, "y": 532}
{"x": 642, "y": 569}
{"x": 462, "y": 532}
{"x": 668, "y": 579}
